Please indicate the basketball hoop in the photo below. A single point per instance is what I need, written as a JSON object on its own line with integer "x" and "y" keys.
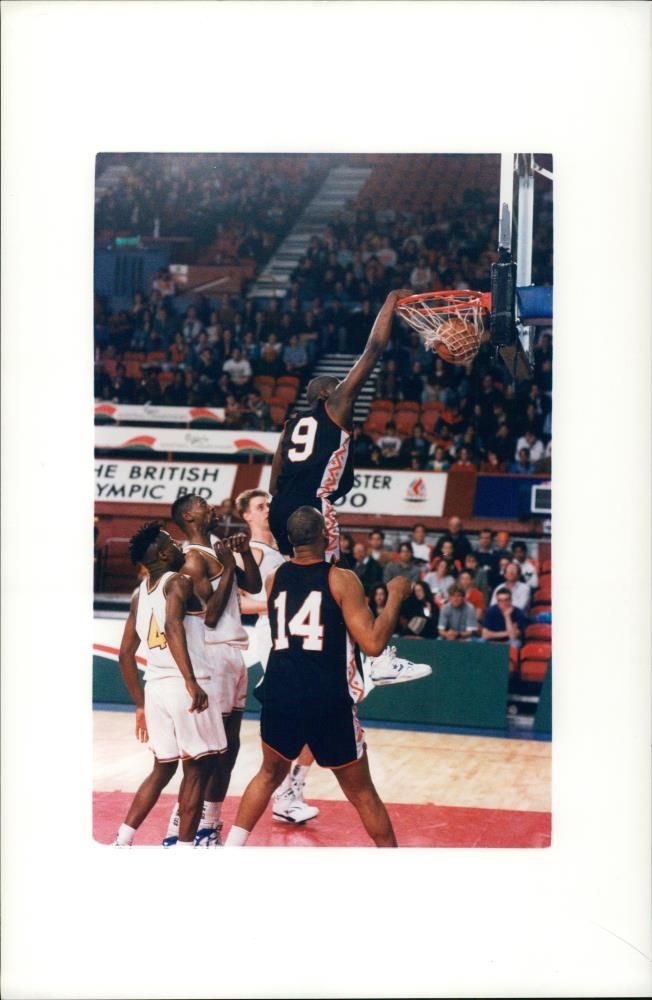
{"x": 450, "y": 322}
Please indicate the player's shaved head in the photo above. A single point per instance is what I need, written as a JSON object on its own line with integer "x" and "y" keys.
{"x": 305, "y": 526}
{"x": 179, "y": 508}
{"x": 320, "y": 388}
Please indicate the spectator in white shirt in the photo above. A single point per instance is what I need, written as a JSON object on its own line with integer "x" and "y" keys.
{"x": 521, "y": 593}
{"x": 389, "y": 442}
{"x": 528, "y": 570}
{"x": 530, "y": 441}
{"x": 239, "y": 371}
{"x": 421, "y": 551}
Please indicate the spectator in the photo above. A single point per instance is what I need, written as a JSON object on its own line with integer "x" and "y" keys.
{"x": 463, "y": 462}
{"x": 492, "y": 464}
{"x": 419, "y": 613}
{"x": 479, "y": 576}
{"x": 413, "y": 383}
{"x": 472, "y": 594}
{"x": 233, "y": 413}
{"x": 192, "y": 326}
{"x": 269, "y": 362}
{"x": 503, "y": 622}
{"x": 121, "y": 388}
{"x": 346, "y": 559}
{"x": 456, "y": 535}
{"x": 519, "y": 591}
{"x": 376, "y": 460}
{"x": 404, "y": 566}
{"x": 362, "y": 445}
{"x": 229, "y": 523}
{"x": 440, "y": 581}
{"x": 439, "y": 461}
{"x": 421, "y": 551}
{"x": 457, "y": 619}
{"x": 527, "y": 568}
{"x": 416, "y": 442}
{"x": 389, "y": 443}
{"x": 530, "y": 443}
{"x": 376, "y": 547}
{"x": 421, "y": 276}
{"x": 256, "y": 411}
{"x": 176, "y": 392}
{"x": 366, "y": 568}
{"x": 178, "y": 353}
{"x": 239, "y": 371}
{"x": 378, "y": 599}
{"x": 523, "y": 466}
{"x": 149, "y": 390}
{"x": 295, "y": 357}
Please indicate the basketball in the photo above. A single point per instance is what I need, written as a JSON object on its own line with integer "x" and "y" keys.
{"x": 452, "y": 344}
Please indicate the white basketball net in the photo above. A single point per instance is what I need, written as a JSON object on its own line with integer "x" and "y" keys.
{"x": 454, "y": 320}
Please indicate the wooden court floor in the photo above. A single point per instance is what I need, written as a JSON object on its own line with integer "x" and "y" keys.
{"x": 441, "y": 789}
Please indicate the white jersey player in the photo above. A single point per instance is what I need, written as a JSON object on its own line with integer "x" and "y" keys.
{"x": 180, "y": 718}
{"x": 215, "y": 576}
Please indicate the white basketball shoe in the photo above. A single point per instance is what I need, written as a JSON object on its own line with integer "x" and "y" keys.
{"x": 388, "y": 668}
{"x": 210, "y": 836}
{"x": 289, "y": 806}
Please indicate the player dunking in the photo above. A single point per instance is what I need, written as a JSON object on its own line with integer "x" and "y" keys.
{"x": 224, "y": 640}
{"x": 253, "y": 508}
{"x": 318, "y": 613}
{"x": 180, "y": 718}
{"x": 313, "y": 463}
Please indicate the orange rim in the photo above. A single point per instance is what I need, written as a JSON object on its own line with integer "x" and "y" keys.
{"x": 450, "y": 297}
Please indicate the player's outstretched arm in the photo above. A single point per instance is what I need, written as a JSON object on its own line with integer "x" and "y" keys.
{"x": 371, "y": 635}
{"x": 179, "y": 593}
{"x": 341, "y": 400}
{"x": 129, "y": 670}
{"x": 249, "y": 578}
{"x": 217, "y": 600}
{"x": 277, "y": 462}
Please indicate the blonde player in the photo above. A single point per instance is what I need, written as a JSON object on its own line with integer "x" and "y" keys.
{"x": 224, "y": 640}
{"x": 253, "y": 508}
{"x": 181, "y": 719}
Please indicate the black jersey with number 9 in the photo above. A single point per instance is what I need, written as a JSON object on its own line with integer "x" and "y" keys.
{"x": 317, "y": 456}
{"x": 314, "y": 663}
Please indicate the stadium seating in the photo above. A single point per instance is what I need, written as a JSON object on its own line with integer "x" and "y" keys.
{"x": 535, "y": 657}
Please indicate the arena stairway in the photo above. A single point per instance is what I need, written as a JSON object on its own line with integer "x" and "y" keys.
{"x": 338, "y": 365}
{"x": 341, "y": 186}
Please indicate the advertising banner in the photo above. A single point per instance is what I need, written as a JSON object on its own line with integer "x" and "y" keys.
{"x": 136, "y": 481}
{"x": 180, "y": 440}
{"x": 150, "y": 414}
{"x": 420, "y": 494}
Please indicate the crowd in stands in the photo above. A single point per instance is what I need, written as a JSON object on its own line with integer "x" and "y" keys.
{"x": 252, "y": 358}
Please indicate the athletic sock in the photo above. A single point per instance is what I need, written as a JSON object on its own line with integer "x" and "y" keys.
{"x": 237, "y": 837}
{"x": 173, "y": 824}
{"x": 126, "y": 835}
{"x": 210, "y": 815}
{"x": 285, "y": 784}
{"x": 300, "y": 773}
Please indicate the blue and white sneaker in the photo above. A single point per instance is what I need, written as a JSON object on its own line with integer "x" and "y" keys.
{"x": 388, "y": 668}
{"x": 209, "y": 836}
{"x": 170, "y": 841}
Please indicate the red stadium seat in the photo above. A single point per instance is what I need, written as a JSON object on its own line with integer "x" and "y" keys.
{"x": 538, "y": 608}
{"x": 381, "y": 404}
{"x": 536, "y": 651}
{"x": 134, "y": 369}
{"x": 405, "y": 421}
{"x": 286, "y": 392}
{"x": 539, "y": 631}
{"x": 265, "y": 385}
{"x": 289, "y": 380}
{"x": 546, "y": 566}
{"x": 513, "y": 659}
{"x": 429, "y": 418}
{"x": 277, "y": 409}
{"x": 407, "y": 405}
{"x": 156, "y": 356}
{"x": 376, "y": 422}
{"x": 535, "y": 657}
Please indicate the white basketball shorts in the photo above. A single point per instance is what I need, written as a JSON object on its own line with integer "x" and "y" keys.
{"x": 229, "y": 674}
{"x": 174, "y": 732}
{"x": 263, "y": 634}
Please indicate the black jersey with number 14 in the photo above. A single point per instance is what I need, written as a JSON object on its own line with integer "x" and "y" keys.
{"x": 314, "y": 663}
{"x": 317, "y": 456}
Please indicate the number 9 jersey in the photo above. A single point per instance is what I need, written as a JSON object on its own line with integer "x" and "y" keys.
{"x": 316, "y": 470}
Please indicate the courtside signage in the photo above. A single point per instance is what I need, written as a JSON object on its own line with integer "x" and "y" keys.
{"x": 149, "y": 414}
{"x": 123, "y": 481}
{"x": 420, "y": 494}
{"x": 208, "y": 442}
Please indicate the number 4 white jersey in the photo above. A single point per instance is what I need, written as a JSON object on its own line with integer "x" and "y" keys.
{"x": 150, "y": 627}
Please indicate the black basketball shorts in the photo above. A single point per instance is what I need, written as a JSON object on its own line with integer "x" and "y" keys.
{"x": 334, "y": 735}
{"x": 284, "y": 505}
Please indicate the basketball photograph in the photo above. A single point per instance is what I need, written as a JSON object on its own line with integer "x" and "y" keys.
{"x": 326, "y": 691}
{"x": 323, "y": 458}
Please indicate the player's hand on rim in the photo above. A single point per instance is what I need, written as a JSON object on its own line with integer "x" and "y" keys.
{"x": 400, "y": 293}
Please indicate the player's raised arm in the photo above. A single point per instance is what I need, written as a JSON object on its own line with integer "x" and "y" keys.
{"x": 179, "y": 593}
{"x": 218, "y": 598}
{"x": 249, "y": 578}
{"x": 277, "y": 462}
{"x": 371, "y": 635}
{"x": 129, "y": 670}
{"x": 341, "y": 399}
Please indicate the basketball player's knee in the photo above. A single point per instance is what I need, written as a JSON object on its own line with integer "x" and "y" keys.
{"x": 274, "y": 771}
{"x": 163, "y": 773}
